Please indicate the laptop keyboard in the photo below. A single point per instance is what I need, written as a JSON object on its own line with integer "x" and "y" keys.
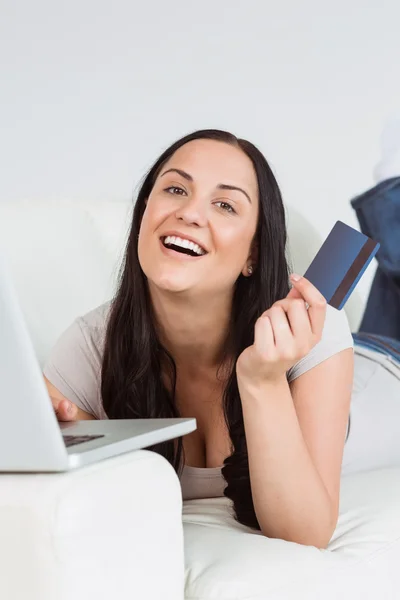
{"x": 72, "y": 440}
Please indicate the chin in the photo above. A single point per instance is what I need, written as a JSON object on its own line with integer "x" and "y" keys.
{"x": 170, "y": 282}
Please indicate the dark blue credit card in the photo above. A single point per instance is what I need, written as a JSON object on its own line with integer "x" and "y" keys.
{"x": 340, "y": 263}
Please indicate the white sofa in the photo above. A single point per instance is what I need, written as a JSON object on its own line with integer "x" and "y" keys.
{"x": 119, "y": 529}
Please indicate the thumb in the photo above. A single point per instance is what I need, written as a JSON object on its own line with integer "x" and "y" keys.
{"x": 67, "y": 410}
{"x": 294, "y": 293}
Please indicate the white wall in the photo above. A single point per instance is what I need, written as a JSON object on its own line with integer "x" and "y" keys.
{"x": 92, "y": 91}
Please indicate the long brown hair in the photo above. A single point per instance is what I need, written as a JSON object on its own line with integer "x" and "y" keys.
{"x": 131, "y": 384}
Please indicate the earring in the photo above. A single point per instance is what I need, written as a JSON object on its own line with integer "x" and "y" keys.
{"x": 250, "y": 270}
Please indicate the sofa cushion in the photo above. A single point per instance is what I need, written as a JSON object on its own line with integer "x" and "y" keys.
{"x": 226, "y": 560}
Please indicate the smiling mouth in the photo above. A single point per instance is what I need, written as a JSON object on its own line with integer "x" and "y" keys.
{"x": 181, "y": 249}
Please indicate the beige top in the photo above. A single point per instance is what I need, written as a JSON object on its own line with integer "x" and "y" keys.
{"x": 74, "y": 368}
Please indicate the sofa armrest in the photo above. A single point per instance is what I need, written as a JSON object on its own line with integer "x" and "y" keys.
{"x": 110, "y": 531}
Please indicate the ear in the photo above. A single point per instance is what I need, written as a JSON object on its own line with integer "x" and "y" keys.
{"x": 252, "y": 259}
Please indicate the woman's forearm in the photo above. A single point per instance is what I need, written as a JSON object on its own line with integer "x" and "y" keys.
{"x": 289, "y": 496}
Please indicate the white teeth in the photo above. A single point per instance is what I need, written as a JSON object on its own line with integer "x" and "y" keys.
{"x": 177, "y": 241}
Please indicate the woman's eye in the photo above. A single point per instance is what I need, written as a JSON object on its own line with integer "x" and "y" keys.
{"x": 174, "y": 187}
{"x": 227, "y": 206}
{"x": 224, "y": 205}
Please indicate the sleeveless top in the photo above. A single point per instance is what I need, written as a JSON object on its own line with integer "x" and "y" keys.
{"x": 74, "y": 368}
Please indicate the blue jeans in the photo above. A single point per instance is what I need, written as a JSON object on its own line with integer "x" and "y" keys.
{"x": 378, "y": 212}
{"x": 379, "y": 343}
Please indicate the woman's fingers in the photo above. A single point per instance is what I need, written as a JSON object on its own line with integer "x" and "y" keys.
{"x": 315, "y": 300}
{"x": 65, "y": 410}
{"x": 68, "y": 411}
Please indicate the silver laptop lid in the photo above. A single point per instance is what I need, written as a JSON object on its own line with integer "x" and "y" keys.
{"x": 29, "y": 432}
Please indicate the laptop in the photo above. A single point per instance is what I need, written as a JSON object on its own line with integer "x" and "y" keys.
{"x": 31, "y": 438}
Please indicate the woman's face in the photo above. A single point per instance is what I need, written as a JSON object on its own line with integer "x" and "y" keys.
{"x": 191, "y": 204}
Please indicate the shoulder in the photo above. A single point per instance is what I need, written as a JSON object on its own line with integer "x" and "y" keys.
{"x": 93, "y": 324}
{"x": 336, "y": 336}
{"x": 74, "y": 363}
{"x": 96, "y": 318}
{"x": 87, "y": 328}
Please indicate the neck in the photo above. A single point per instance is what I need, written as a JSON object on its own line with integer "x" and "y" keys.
{"x": 192, "y": 329}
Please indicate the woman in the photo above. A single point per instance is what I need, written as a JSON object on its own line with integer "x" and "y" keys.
{"x": 204, "y": 324}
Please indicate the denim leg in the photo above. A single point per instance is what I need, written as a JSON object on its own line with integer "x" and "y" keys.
{"x": 378, "y": 212}
{"x": 382, "y": 311}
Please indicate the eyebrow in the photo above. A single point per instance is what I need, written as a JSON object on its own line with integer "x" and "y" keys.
{"x": 220, "y": 186}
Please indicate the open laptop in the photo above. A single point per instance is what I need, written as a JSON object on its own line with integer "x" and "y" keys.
{"x": 31, "y": 439}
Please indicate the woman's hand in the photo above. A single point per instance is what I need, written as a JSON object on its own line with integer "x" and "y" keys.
{"x": 283, "y": 334}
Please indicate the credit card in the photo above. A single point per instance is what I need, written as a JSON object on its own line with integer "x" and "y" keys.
{"x": 340, "y": 263}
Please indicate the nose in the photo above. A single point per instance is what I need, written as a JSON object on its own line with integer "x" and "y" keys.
{"x": 193, "y": 211}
